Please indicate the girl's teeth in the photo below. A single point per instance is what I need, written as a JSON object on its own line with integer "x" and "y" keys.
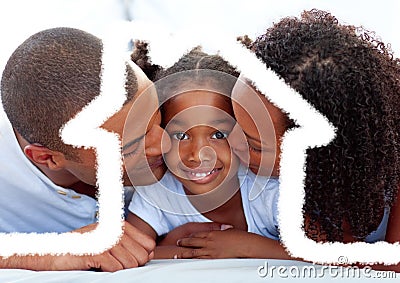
{"x": 202, "y": 175}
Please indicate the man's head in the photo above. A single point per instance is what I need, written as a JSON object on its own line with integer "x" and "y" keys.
{"x": 50, "y": 78}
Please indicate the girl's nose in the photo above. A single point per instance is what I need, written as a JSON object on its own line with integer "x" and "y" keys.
{"x": 201, "y": 151}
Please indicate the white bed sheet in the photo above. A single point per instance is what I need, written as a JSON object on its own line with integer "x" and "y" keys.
{"x": 189, "y": 271}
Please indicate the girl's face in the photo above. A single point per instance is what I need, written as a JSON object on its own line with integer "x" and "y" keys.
{"x": 198, "y": 123}
{"x": 263, "y": 125}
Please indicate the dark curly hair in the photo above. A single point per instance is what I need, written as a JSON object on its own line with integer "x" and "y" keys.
{"x": 196, "y": 59}
{"x": 187, "y": 69}
{"x": 352, "y": 79}
{"x": 224, "y": 76}
{"x": 141, "y": 58}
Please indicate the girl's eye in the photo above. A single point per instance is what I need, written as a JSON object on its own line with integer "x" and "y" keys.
{"x": 219, "y": 135}
{"x": 180, "y": 136}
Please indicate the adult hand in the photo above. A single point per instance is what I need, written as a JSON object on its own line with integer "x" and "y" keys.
{"x": 134, "y": 249}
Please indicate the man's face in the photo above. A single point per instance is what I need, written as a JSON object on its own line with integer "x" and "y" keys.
{"x": 138, "y": 125}
{"x": 144, "y": 141}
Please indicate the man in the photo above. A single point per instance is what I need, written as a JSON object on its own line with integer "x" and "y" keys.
{"x": 46, "y": 185}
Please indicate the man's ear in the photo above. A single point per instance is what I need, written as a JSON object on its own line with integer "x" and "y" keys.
{"x": 43, "y": 156}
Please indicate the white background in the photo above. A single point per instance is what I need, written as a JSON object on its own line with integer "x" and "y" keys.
{"x": 21, "y": 18}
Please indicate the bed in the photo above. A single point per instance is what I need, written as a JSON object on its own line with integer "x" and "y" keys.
{"x": 222, "y": 270}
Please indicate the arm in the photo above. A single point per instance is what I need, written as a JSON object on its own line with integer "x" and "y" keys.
{"x": 168, "y": 250}
{"x": 141, "y": 225}
{"x": 392, "y": 232}
{"x": 134, "y": 249}
{"x": 231, "y": 243}
{"x": 393, "y": 228}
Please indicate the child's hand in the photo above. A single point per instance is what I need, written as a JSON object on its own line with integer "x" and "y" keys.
{"x": 188, "y": 229}
{"x": 231, "y": 243}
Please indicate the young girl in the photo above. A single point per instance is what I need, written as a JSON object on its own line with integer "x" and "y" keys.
{"x": 204, "y": 177}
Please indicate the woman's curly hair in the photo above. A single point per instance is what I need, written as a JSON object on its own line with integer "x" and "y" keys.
{"x": 353, "y": 80}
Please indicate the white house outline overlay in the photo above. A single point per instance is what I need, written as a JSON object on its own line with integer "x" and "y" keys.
{"x": 314, "y": 130}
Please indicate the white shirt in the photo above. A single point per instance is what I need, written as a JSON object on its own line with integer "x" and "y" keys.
{"x": 29, "y": 201}
{"x": 165, "y": 206}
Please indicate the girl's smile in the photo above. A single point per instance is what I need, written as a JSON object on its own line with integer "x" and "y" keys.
{"x": 199, "y": 123}
{"x": 199, "y": 176}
